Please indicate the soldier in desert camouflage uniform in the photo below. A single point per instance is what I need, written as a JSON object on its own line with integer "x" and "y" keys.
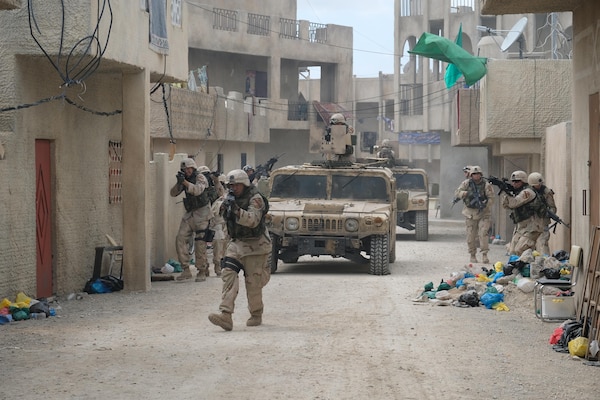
{"x": 244, "y": 209}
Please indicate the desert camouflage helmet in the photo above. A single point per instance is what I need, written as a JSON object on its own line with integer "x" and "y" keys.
{"x": 337, "y": 119}
{"x": 535, "y": 178}
{"x": 519, "y": 176}
{"x": 475, "y": 169}
{"x": 188, "y": 163}
{"x": 237, "y": 176}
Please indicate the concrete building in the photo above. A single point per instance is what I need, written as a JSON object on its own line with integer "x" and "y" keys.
{"x": 74, "y": 134}
{"x": 500, "y": 122}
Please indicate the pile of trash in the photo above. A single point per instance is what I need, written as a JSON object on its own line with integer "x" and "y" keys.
{"x": 24, "y": 308}
{"x": 477, "y": 285}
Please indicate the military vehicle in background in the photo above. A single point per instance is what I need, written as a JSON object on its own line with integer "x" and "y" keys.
{"x": 412, "y": 200}
{"x": 412, "y": 197}
{"x": 333, "y": 207}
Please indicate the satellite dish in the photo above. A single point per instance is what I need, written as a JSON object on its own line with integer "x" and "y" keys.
{"x": 514, "y": 34}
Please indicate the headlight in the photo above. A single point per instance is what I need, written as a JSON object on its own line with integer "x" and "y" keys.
{"x": 351, "y": 225}
{"x": 291, "y": 224}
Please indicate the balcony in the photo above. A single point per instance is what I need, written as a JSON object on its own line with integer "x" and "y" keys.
{"x": 499, "y": 7}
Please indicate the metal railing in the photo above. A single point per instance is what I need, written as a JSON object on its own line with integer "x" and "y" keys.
{"x": 317, "y": 33}
{"x": 289, "y": 28}
{"x": 259, "y": 25}
{"x": 225, "y": 20}
{"x": 409, "y": 8}
{"x": 411, "y": 99}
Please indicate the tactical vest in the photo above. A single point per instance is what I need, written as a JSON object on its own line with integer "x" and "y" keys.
{"x": 474, "y": 191}
{"x": 237, "y": 231}
{"x": 207, "y": 196}
{"x": 534, "y": 207}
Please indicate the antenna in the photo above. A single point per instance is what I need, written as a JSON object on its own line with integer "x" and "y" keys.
{"x": 514, "y": 34}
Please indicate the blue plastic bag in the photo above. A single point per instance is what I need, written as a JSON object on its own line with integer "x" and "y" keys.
{"x": 489, "y": 299}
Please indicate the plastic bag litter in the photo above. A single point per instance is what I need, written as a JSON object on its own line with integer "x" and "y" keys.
{"x": 578, "y": 346}
{"x": 489, "y": 299}
{"x": 526, "y": 285}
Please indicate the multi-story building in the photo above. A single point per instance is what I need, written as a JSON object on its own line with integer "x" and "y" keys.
{"x": 74, "y": 134}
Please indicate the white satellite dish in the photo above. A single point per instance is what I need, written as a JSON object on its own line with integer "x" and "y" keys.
{"x": 514, "y": 34}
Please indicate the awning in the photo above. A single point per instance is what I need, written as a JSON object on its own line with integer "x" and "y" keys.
{"x": 326, "y": 110}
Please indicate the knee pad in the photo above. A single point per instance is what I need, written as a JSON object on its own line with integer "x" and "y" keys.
{"x": 232, "y": 264}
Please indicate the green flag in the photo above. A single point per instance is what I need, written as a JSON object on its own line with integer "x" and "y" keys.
{"x": 453, "y": 73}
{"x": 439, "y": 48}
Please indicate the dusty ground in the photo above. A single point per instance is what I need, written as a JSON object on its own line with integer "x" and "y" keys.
{"x": 330, "y": 331}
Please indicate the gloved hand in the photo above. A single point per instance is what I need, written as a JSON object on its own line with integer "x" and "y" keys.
{"x": 180, "y": 177}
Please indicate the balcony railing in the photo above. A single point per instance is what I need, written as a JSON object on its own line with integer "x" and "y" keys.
{"x": 288, "y": 28}
{"x": 226, "y": 20}
{"x": 317, "y": 33}
{"x": 259, "y": 24}
{"x": 411, "y": 99}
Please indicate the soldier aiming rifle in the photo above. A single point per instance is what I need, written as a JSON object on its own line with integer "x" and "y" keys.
{"x": 502, "y": 185}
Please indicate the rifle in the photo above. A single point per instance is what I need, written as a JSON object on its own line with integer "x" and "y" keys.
{"x": 265, "y": 170}
{"x": 556, "y": 220}
{"x": 456, "y": 200}
{"x": 502, "y": 185}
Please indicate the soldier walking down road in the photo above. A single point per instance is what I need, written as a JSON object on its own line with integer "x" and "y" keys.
{"x": 536, "y": 181}
{"x": 195, "y": 221}
{"x": 477, "y": 195}
{"x": 527, "y": 212}
{"x": 218, "y": 224}
{"x": 244, "y": 210}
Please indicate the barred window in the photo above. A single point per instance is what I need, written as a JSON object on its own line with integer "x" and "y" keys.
{"x": 115, "y": 169}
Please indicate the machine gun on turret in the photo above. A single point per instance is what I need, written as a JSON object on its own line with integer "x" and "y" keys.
{"x": 265, "y": 169}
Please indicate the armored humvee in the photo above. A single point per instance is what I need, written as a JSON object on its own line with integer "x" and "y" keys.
{"x": 412, "y": 200}
{"x": 333, "y": 207}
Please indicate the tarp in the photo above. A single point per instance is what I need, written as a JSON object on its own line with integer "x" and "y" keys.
{"x": 326, "y": 110}
{"x": 440, "y": 48}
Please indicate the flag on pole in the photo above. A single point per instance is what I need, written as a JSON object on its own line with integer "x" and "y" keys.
{"x": 439, "y": 48}
{"x": 452, "y": 73}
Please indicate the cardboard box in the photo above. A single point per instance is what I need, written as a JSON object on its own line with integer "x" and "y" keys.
{"x": 558, "y": 307}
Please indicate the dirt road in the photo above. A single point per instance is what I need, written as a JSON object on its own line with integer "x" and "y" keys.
{"x": 330, "y": 331}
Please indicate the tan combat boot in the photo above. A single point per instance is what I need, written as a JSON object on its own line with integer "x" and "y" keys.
{"x": 223, "y": 320}
{"x": 254, "y": 320}
{"x": 473, "y": 258}
{"x": 201, "y": 275}
{"x": 186, "y": 275}
{"x": 485, "y": 259}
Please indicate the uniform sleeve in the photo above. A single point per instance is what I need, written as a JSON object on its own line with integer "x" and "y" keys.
{"x": 461, "y": 191}
{"x": 199, "y": 187}
{"x": 524, "y": 197}
{"x": 252, "y": 217}
{"x": 176, "y": 190}
{"x": 489, "y": 193}
{"x": 549, "y": 194}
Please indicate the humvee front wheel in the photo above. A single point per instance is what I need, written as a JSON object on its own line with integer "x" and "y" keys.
{"x": 379, "y": 262}
{"x": 422, "y": 225}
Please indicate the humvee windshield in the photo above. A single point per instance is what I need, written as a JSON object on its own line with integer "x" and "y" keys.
{"x": 409, "y": 181}
{"x": 352, "y": 187}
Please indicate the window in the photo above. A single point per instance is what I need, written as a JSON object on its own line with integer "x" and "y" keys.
{"x": 115, "y": 185}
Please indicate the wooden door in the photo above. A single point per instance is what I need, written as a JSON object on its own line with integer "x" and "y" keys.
{"x": 43, "y": 213}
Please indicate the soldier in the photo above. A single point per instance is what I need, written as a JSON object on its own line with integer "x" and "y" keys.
{"x": 536, "y": 180}
{"x": 220, "y": 227}
{"x": 527, "y": 212}
{"x": 477, "y": 195}
{"x": 244, "y": 210}
{"x": 195, "y": 221}
{"x": 387, "y": 152}
{"x": 467, "y": 171}
{"x": 249, "y": 169}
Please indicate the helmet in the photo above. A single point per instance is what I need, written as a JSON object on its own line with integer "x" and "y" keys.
{"x": 237, "y": 176}
{"x": 467, "y": 168}
{"x": 535, "y": 178}
{"x": 203, "y": 169}
{"x": 188, "y": 162}
{"x": 222, "y": 179}
{"x": 385, "y": 143}
{"x": 475, "y": 169}
{"x": 337, "y": 119}
{"x": 248, "y": 167}
{"x": 519, "y": 176}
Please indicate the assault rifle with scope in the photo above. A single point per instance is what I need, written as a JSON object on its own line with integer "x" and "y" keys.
{"x": 502, "y": 185}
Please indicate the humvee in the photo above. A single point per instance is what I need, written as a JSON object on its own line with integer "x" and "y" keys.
{"x": 339, "y": 209}
{"x": 412, "y": 200}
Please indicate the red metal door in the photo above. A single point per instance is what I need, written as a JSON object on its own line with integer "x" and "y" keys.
{"x": 43, "y": 213}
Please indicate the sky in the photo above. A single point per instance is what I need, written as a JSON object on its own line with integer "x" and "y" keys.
{"x": 373, "y": 23}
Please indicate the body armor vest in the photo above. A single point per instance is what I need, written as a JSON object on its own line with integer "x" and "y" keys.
{"x": 534, "y": 207}
{"x": 476, "y": 197}
{"x": 237, "y": 231}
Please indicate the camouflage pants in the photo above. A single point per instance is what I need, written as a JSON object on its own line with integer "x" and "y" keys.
{"x": 477, "y": 230}
{"x": 219, "y": 246}
{"x": 541, "y": 244}
{"x": 187, "y": 230}
{"x": 256, "y": 276}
